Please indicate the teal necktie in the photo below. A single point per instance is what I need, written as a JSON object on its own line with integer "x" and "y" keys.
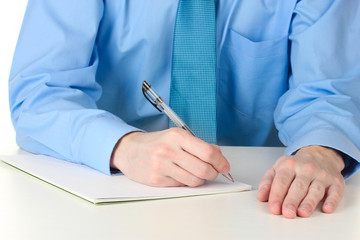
{"x": 193, "y": 80}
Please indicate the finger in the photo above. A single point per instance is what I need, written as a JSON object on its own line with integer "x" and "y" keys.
{"x": 163, "y": 173}
{"x": 265, "y": 185}
{"x": 169, "y": 182}
{"x": 208, "y": 153}
{"x": 315, "y": 194}
{"x": 297, "y": 192}
{"x": 176, "y": 176}
{"x": 157, "y": 177}
{"x": 180, "y": 175}
{"x": 171, "y": 174}
{"x": 173, "y": 171}
{"x": 282, "y": 181}
{"x": 195, "y": 166}
{"x": 334, "y": 195}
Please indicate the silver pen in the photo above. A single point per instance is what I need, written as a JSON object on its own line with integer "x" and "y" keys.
{"x": 160, "y": 105}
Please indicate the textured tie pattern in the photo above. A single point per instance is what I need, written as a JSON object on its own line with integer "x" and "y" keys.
{"x": 193, "y": 83}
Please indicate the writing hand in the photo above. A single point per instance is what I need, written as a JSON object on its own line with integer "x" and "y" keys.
{"x": 295, "y": 185}
{"x": 167, "y": 158}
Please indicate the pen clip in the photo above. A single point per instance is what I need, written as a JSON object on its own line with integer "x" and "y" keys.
{"x": 146, "y": 88}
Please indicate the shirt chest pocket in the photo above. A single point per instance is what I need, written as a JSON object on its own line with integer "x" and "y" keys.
{"x": 252, "y": 75}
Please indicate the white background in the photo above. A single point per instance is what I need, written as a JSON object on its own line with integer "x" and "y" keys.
{"x": 11, "y": 15}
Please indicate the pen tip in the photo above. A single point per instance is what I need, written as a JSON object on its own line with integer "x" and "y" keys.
{"x": 228, "y": 176}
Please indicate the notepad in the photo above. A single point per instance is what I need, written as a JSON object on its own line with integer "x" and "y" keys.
{"x": 98, "y": 188}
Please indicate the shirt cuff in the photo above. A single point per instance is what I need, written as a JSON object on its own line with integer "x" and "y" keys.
{"x": 332, "y": 139}
{"x": 99, "y": 140}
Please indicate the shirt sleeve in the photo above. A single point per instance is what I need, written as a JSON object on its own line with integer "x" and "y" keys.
{"x": 322, "y": 105}
{"x": 52, "y": 86}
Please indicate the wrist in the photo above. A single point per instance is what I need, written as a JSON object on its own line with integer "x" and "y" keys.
{"x": 329, "y": 152}
{"x": 119, "y": 146}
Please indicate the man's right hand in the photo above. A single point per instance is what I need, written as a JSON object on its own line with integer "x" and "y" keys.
{"x": 168, "y": 158}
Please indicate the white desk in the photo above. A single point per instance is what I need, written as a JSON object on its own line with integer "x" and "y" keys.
{"x": 32, "y": 209}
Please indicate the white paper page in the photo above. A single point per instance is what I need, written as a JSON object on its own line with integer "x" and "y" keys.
{"x": 97, "y": 187}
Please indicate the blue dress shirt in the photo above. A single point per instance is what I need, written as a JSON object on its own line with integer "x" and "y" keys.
{"x": 75, "y": 83}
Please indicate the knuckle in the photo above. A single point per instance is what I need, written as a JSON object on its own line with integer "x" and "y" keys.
{"x": 335, "y": 195}
{"x": 156, "y": 165}
{"x": 309, "y": 169}
{"x": 300, "y": 186}
{"x": 283, "y": 181}
{"x": 285, "y": 163}
{"x": 284, "y": 176}
{"x": 162, "y": 151}
{"x": 155, "y": 181}
{"x": 195, "y": 182}
{"x": 209, "y": 153}
{"x": 174, "y": 133}
{"x": 323, "y": 175}
{"x": 310, "y": 202}
{"x": 203, "y": 172}
{"x": 290, "y": 200}
{"x": 206, "y": 172}
{"x": 317, "y": 189}
{"x": 289, "y": 162}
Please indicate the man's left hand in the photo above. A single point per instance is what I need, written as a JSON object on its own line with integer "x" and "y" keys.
{"x": 296, "y": 184}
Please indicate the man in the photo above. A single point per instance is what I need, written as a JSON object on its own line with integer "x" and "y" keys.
{"x": 75, "y": 92}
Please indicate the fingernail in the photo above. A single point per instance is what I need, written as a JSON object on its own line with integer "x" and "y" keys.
{"x": 276, "y": 208}
{"x": 329, "y": 206}
{"x": 226, "y": 169}
{"x": 289, "y": 211}
{"x": 264, "y": 187}
{"x": 306, "y": 208}
{"x": 291, "y": 208}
